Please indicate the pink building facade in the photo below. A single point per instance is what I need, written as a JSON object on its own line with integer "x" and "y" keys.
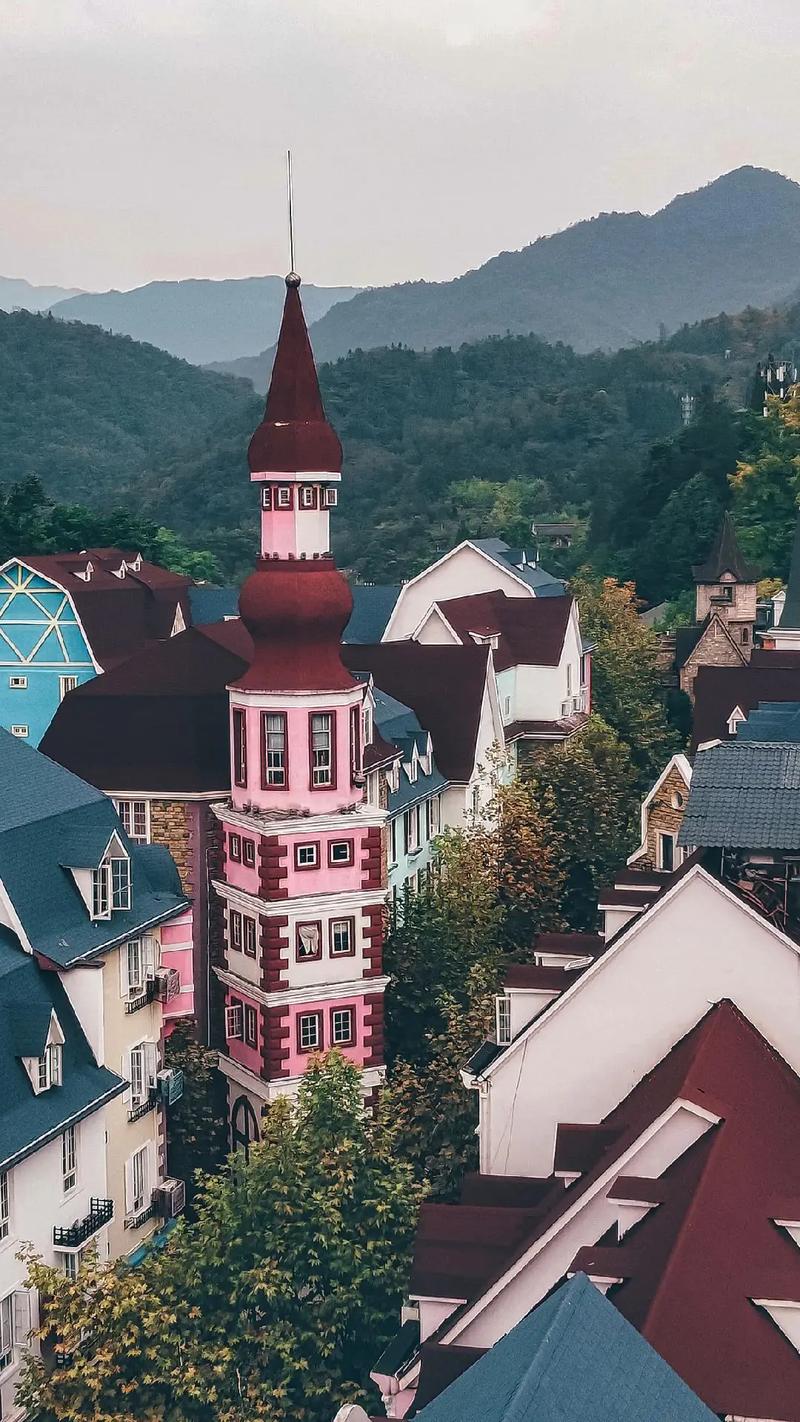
{"x": 303, "y": 879}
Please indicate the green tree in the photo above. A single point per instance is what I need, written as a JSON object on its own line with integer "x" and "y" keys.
{"x": 590, "y": 785}
{"x": 197, "y": 1129}
{"x": 272, "y": 1304}
{"x": 626, "y": 686}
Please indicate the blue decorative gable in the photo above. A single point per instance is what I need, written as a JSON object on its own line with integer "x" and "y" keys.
{"x": 42, "y": 646}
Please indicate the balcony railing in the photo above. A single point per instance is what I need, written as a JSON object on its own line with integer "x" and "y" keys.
{"x": 74, "y": 1235}
{"x": 142, "y": 1107}
{"x": 141, "y": 999}
{"x": 139, "y": 1217}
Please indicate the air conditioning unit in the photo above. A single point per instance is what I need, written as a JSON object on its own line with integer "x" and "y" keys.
{"x": 170, "y": 1198}
{"x": 170, "y": 1085}
{"x": 565, "y": 708}
{"x": 168, "y": 984}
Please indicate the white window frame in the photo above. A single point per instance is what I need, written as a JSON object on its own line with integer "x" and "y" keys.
{"x": 338, "y": 844}
{"x": 316, "y": 1018}
{"x": 331, "y": 498}
{"x": 20, "y": 731}
{"x": 5, "y": 1205}
{"x": 120, "y": 882}
{"x": 15, "y": 1326}
{"x": 310, "y": 850}
{"x": 142, "y": 1071}
{"x": 366, "y": 729}
{"x": 336, "y": 925}
{"x": 502, "y": 1019}
{"x": 234, "y": 1022}
{"x": 135, "y": 819}
{"x": 18, "y": 683}
{"x": 69, "y": 1160}
{"x": 65, "y": 685}
{"x": 436, "y": 815}
{"x": 393, "y": 840}
{"x": 347, "y": 1013}
{"x": 321, "y": 749}
{"x": 276, "y": 733}
{"x": 139, "y": 1180}
{"x": 662, "y": 837}
{"x": 308, "y": 496}
{"x": 283, "y": 496}
{"x": 101, "y": 891}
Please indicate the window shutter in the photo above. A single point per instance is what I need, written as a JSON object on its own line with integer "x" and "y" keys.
{"x": 151, "y": 1062}
{"x": 123, "y": 970}
{"x": 21, "y": 1312}
{"x": 6, "y": 1331}
{"x": 150, "y": 947}
{"x": 129, "y": 1197}
{"x": 152, "y": 1169}
{"x": 125, "y": 1073}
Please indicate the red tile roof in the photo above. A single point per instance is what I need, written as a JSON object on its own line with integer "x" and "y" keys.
{"x": 120, "y": 615}
{"x": 445, "y": 686}
{"x": 693, "y": 1266}
{"x": 531, "y": 630}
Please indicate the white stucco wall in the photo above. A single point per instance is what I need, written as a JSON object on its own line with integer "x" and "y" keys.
{"x": 462, "y": 572}
{"x": 586, "y": 1052}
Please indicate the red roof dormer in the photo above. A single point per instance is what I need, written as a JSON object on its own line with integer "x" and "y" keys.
{"x": 294, "y": 436}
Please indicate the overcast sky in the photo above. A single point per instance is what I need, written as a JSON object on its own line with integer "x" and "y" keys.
{"x": 146, "y": 140}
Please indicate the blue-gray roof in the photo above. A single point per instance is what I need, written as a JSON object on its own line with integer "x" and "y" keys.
{"x": 772, "y": 721}
{"x": 400, "y": 725}
{"x": 573, "y": 1359}
{"x": 373, "y": 605}
{"x": 212, "y": 604}
{"x": 28, "y": 996}
{"x": 544, "y": 583}
{"x": 51, "y": 822}
{"x": 744, "y": 795}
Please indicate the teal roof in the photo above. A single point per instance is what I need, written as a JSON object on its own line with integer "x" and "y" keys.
{"x": 28, "y": 996}
{"x": 744, "y": 795}
{"x": 772, "y": 721}
{"x": 573, "y": 1359}
{"x": 373, "y": 605}
{"x": 51, "y": 822}
{"x": 400, "y": 725}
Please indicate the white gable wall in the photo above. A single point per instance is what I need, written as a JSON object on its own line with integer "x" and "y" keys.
{"x": 587, "y": 1052}
{"x": 461, "y": 573}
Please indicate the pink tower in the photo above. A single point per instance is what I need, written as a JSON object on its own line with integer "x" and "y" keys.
{"x": 304, "y": 879}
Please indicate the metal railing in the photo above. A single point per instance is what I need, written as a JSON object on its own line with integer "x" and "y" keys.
{"x": 74, "y": 1235}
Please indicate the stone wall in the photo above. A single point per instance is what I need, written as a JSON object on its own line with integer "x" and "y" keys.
{"x": 715, "y": 649}
{"x": 663, "y": 816}
{"x": 170, "y": 826}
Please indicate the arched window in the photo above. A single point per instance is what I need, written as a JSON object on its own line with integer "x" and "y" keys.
{"x": 244, "y": 1125}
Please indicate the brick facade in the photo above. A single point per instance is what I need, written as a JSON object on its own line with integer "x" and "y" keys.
{"x": 374, "y": 929}
{"x": 274, "y": 953}
{"x": 716, "y": 648}
{"x": 372, "y": 859}
{"x": 664, "y": 815}
{"x": 272, "y": 855}
{"x": 373, "y": 1029}
{"x": 275, "y": 1049}
{"x": 170, "y": 825}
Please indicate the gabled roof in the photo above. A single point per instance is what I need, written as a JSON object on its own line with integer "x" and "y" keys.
{"x": 444, "y": 686}
{"x": 120, "y": 615}
{"x": 29, "y": 995}
{"x": 530, "y": 631}
{"x": 770, "y": 676}
{"x": 725, "y": 557}
{"x": 50, "y": 824}
{"x": 572, "y": 1359}
{"x": 511, "y": 560}
{"x": 744, "y": 794}
{"x": 693, "y": 1267}
{"x": 688, "y": 639}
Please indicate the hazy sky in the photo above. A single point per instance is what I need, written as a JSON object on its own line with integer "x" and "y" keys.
{"x": 145, "y": 140}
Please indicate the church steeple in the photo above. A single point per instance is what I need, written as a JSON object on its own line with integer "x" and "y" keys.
{"x": 295, "y": 455}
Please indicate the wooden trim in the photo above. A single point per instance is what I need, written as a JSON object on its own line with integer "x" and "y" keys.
{"x": 320, "y": 1016}
{"x": 341, "y": 863}
{"x": 342, "y": 918}
{"x": 306, "y": 844}
{"x": 351, "y": 1041}
{"x": 265, "y": 783}
{"x": 308, "y": 957}
{"x": 330, "y": 784}
{"x": 239, "y": 746}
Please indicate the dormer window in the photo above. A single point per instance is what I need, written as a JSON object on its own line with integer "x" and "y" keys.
{"x": 735, "y": 720}
{"x": 111, "y": 884}
{"x": 49, "y": 1068}
{"x": 367, "y": 725}
{"x": 120, "y": 883}
{"x": 101, "y": 907}
{"x": 502, "y": 1012}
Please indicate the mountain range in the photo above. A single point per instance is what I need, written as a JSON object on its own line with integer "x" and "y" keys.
{"x": 15, "y": 291}
{"x": 201, "y": 321}
{"x": 609, "y": 282}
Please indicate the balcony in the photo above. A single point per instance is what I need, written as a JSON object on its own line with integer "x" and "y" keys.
{"x": 142, "y": 1107}
{"x": 74, "y": 1235}
{"x": 141, "y": 999}
{"x": 137, "y": 1218}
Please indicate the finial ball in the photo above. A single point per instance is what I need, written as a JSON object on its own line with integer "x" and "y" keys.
{"x": 292, "y": 279}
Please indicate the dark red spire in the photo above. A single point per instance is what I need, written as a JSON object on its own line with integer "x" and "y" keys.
{"x": 294, "y": 436}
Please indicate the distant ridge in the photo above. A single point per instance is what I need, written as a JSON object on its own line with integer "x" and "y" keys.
{"x": 601, "y": 284}
{"x": 15, "y": 291}
{"x": 201, "y": 321}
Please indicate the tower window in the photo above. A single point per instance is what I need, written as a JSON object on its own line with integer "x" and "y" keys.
{"x": 239, "y": 746}
{"x": 342, "y": 937}
{"x": 249, "y": 853}
{"x": 266, "y": 497}
{"x": 309, "y": 941}
{"x": 235, "y": 847}
{"x": 322, "y": 770}
{"x": 331, "y": 498}
{"x": 249, "y": 926}
{"x": 274, "y": 750}
{"x": 283, "y": 497}
{"x": 342, "y": 1027}
{"x": 309, "y": 1032}
{"x": 308, "y": 496}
